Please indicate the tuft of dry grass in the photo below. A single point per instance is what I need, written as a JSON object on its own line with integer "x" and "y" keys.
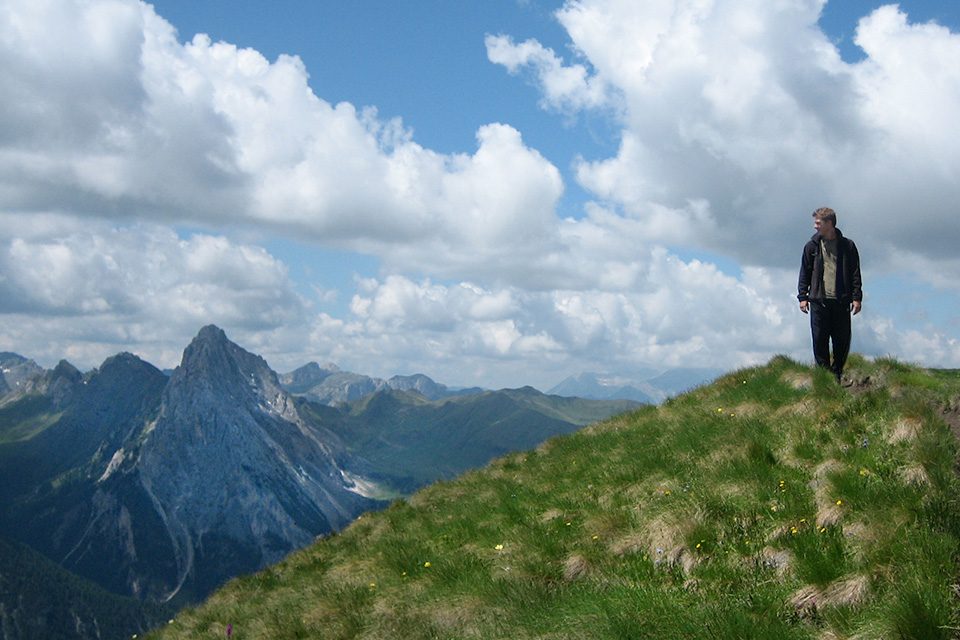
{"x": 914, "y": 474}
{"x": 798, "y": 380}
{"x": 849, "y": 591}
{"x": 576, "y": 567}
{"x": 905, "y": 429}
{"x": 663, "y": 537}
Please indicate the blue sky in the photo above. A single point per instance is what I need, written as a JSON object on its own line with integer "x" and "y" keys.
{"x": 498, "y": 193}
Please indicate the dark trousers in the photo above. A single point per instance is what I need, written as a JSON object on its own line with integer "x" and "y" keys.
{"x": 830, "y": 321}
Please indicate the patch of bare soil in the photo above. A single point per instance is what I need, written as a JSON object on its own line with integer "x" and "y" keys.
{"x": 951, "y": 415}
{"x": 856, "y": 382}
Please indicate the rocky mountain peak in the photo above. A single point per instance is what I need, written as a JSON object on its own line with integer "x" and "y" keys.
{"x": 124, "y": 362}
{"x": 209, "y": 352}
{"x": 228, "y": 437}
{"x": 214, "y": 367}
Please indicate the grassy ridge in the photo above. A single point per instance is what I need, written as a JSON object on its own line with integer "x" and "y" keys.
{"x": 771, "y": 504}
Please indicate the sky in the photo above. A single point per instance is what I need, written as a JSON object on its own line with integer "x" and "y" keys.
{"x": 497, "y": 193}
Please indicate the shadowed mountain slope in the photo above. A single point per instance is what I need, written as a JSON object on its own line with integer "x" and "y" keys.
{"x": 39, "y": 600}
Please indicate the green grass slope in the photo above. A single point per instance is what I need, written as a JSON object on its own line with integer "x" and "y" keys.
{"x": 770, "y": 504}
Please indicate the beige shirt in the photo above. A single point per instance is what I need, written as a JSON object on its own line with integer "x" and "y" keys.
{"x": 829, "y": 249}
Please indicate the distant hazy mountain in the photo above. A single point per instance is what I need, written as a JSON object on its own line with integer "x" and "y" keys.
{"x": 162, "y": 486}
{"x": 330, "y": 385}
{"x": 649, "y": 385}
{"x": 15, "y": 370}
{"x": 428, "y": 388}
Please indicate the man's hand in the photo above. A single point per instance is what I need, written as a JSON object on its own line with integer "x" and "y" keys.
{"x": 804, "y": 305}
{"x": 855, "y": 307}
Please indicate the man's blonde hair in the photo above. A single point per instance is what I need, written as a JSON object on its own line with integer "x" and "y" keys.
{"x": 826, "y": 213}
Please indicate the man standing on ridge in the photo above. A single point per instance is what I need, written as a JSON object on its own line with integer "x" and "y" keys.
{"x": 829, "y": 289}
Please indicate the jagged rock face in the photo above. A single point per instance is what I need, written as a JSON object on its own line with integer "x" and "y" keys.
{"x": 234, "y": 472}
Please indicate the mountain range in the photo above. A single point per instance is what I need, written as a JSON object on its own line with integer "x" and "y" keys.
{"x": 159, "y": 487}
{"x": 330, "y": 385}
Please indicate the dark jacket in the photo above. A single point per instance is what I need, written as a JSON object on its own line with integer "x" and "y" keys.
{"x": 810, "y": 286}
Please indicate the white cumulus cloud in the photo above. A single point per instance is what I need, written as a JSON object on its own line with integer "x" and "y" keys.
{"x": 87, "y": 289}
{"x": 739, "y": 117}
{"x": 118, "y": 119}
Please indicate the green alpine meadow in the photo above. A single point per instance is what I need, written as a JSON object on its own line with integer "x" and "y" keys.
{"x": 772, "y": 504}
